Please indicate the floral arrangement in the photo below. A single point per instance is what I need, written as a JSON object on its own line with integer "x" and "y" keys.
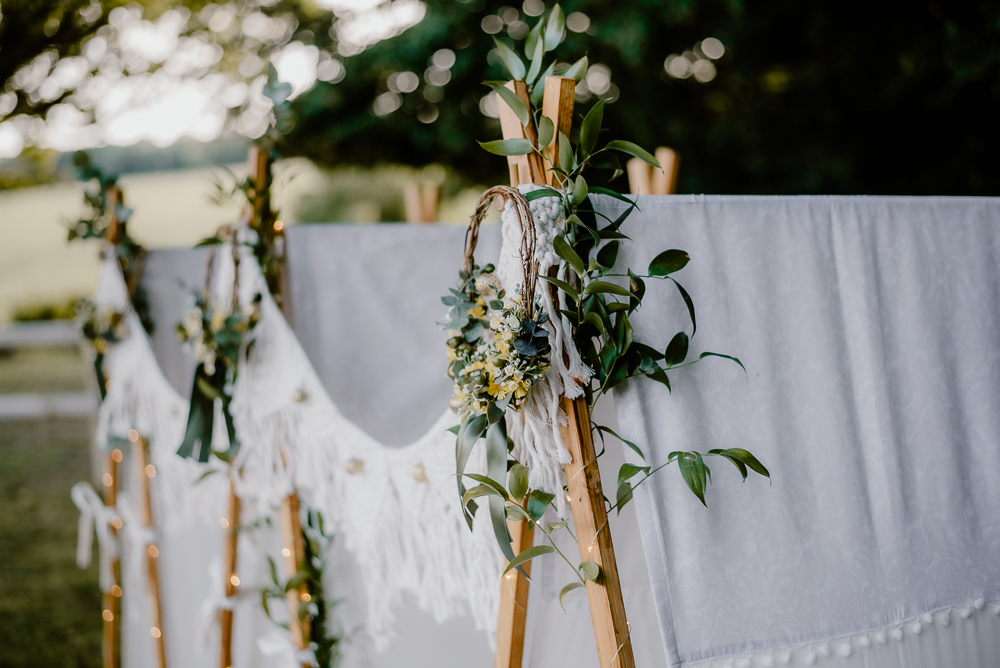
{"x": 215, "y": 335}
{"x": 100, "y": 327}
{"x": 497, "y": 350}
{"x": 594, "y": 303}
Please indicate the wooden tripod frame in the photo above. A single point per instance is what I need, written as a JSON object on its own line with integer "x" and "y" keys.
{"x": 112, "y": 599}
{"x": 607, "y": 608}
{"x": 293, "y": 545}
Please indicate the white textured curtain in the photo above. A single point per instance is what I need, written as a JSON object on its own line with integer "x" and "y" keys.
{"x": 870, "y": 330}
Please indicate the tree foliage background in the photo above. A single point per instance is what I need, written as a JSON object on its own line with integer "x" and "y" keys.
{"x": 818, "y": 97}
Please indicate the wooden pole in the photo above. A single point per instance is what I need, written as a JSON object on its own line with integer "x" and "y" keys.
{"x": 557, "y": 106}
{"x": 144, "y": 473}
{"x": 644, "y": 179}
{"x": 112, "y": 599}
{"x": 664, "y": 182}
{"x": 230, "y": 522}
{"x": 607, "y": 606}
{"x": 523, "y": 168}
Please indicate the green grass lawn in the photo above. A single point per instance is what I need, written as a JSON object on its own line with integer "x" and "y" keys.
{"x": 50, "y": 611}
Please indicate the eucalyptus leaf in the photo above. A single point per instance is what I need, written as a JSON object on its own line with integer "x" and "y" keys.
{"x": 608, "y": 254}
{"x": 591, "y": 128}
{"x": 728, "y": 357}
{"x": 629, "y": 471}
{"x": 478, "y": 491}
{"x": 496, "y": 468}
{"x": 555, "y": 28}
{"x": 579, "y": 191}
{"x": 534, "y": 37}
{"x": 510, "y": 60}
{"x": 677, "y": 349}
{"x": 567, "y": 589}
{"x": 668, "y": 262}
{"x": 511, "y": 99}
{"x": 566, "y": 252}
{"x": 507, "y": 146}
{"x": 633, "y": 150}
{"x": 527, "y": 555}
{"x": 516, "y": 513}
{"x": 518, "y": 481}
{"x": 623, "y": 496}
{"x": 566, "y": 160}
{"x": 536, "y": 57}
{"x": 564, "y": 286}
{"x": 540, "y": 193}
{"x": 495, "y": 485}
{"x": 590, "y": 570}
{"x": 538, "y": 501}
{"x": 577, "y": 70}
{"x": 605, "y": 287}
{"x": 546, "y": 131}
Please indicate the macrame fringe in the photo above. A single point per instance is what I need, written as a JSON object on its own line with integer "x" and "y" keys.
{"x": 140, "y": 398}
{"x": 535, "y": 429}
{"x": 397, "y": 510}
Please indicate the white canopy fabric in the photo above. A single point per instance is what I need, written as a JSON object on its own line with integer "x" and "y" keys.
{"x": 870, "y": 330}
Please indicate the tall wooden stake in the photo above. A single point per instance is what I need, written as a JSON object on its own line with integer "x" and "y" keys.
{"x": 112, "y": 599}
{"x": 230, "y": 522}
{"x": 607, "y": 608}
{"x": 144, "y": 473}
{"x": 644, "y": 179}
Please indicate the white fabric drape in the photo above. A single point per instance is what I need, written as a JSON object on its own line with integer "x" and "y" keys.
{"x": 870, "y": 329}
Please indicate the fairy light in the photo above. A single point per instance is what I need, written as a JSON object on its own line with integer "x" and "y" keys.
{"x": 116, "y": 455}
{"x": 107, "y": 385}
{"x": 116, "y": 591}
{"x": 285, "y": 552}
{"x": 153, "y": 551}
{"x": 508, "y": 576}
{"x": 235, "y": 580}
{"x": 150, "y": 470}
{"x": 108, "y": 616}
{"x": 278, "y": 226}
{"x": 306, "y": 597}
{"x": 155, "y": 632}
{"x": 133, "y": 435}
{"x": 116, "y": 522}
{"x": 107, "y": 480}
{"x": 590, "y": 548}
{"x": 224, "y": 523}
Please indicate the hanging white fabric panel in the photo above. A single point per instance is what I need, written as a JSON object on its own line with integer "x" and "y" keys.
{"x": 870, "y": 330}
{"x": 364, "y": 302}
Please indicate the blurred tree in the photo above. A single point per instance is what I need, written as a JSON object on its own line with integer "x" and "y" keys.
{"x": 789, "y": 97}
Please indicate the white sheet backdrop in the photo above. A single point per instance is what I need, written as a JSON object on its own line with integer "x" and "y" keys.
{"x": 870, "y": 329}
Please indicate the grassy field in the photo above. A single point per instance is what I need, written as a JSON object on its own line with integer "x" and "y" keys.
{"x": 49, "y": 609}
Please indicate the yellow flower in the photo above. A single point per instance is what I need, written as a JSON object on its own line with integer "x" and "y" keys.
{"x": 450, "y": 352}
{"x": 218, "y": 320}
{"x": 477, "y": 311}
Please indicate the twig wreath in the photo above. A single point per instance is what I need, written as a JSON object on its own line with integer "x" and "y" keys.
{"x": 499, "y": 346}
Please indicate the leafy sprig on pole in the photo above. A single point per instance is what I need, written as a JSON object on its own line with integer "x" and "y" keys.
{"x": 599, "y": 302}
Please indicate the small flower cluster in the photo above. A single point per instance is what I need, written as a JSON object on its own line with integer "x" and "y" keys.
{"x": 100, "y": 326}
{"x": 496, "y": 353}
{"x": 215, "y": 334}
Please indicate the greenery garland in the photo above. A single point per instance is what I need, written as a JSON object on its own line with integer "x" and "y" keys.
{"x": 101, "y": 327}
{"x": 600, "y": 304}
{"x": 326, "y": 646}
